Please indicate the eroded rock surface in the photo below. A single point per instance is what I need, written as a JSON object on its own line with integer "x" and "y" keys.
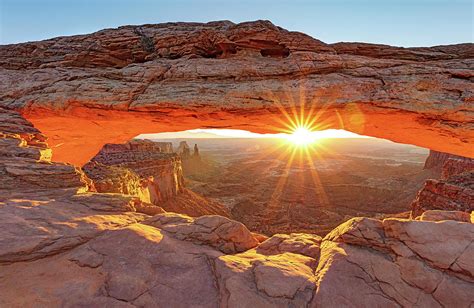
{"x": 454, "y": 191}
{"x": 150, "y": 171}
{"x": 177, "y": 76}
{"x": 227, "y": 235}
{"x": 47, "y": 208}
{"x": 436, "y": 160}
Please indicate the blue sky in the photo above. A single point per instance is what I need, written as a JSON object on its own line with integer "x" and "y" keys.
{"x": 401, "y": 22}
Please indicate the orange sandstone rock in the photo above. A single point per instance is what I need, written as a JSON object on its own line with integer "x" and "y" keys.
{"x": 177, "y": 76}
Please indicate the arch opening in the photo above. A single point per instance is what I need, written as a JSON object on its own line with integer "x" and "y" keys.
{"x": 267, "y": 181}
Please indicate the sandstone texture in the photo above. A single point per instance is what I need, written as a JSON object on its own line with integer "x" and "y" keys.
{"x": 436, "y": 160}
{"x": 155, "y": 174}
{"x": 47, "y": 207}
{"x": 177, "y": 76}
{"x": 152, "y": 172}
{"x": 453, "y": 191}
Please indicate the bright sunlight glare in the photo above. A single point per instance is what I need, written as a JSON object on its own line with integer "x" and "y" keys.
{"x": 302, "y": 136}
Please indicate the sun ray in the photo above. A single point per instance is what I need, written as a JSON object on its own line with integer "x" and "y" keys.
{"x": 262, "y": 156}
{"x": 291, "y": 100}
{"x": 324, "y": 201}
{"x": 302, "y": 100}
{"x": 281, "y": 181}
{"x": 292, "y": 123}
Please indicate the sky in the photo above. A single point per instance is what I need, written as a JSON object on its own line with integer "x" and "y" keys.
{"x": 395, "y": 22}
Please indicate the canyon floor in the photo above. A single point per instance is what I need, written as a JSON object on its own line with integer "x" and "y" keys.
{"x": 345, "y": 178}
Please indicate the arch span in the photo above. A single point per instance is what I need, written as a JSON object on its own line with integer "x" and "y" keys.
{"x": 83, "y": 91}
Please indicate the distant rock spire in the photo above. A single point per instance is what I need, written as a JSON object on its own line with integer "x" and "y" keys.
{"x": 183, "y": 150}
{"x": 196, "y": 150}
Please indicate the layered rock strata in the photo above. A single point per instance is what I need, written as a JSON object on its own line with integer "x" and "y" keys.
{"x": 46, "y": 207}
{"x": 178, "y": 76}
{"x": 184, "y": 262}
{"x": 453, "y": 191}
{"x": 149, "y": 171}
{"x": 142, "y": 165}
{"x": 436, "y": 160}
{"x": 25, "y": 162}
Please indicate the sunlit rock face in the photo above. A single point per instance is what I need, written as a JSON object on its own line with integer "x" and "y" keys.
{"x": 25, "y": 162}
{"x": 453, "y": 191}
{"x": 152, "y": 172}
{"x": 436, "y": 160}
{"x": 192, "y": 163}
{"x": 107, "y": 87}
{"x": 138, "y": 167}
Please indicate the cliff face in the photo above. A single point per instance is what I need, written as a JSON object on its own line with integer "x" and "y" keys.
{"x": 150, "y": 171}
{"x": 184, "y": 151}
{"x": 455, "y": 189}
{"x": 436, "y": 160}
{"x": 166, "y": 147}
{"x": 25, "y": 162}
{"x": 138, "y": 79}
{"x": 139, "y": 167}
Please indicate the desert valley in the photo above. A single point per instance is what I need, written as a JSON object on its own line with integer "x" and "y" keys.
{"x": 254, "y": 181}
{"x": 96, "y": 213}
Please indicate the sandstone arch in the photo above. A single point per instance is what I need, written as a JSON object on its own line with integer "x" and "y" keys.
{"x": 109, "y": 86}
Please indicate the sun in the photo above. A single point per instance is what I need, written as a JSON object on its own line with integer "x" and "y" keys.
{"x": 302, "y": 136}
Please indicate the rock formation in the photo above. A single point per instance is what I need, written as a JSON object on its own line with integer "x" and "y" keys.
{"x": 193, "y": 165}
{"x": 454, "y": 166}
{"x": 454, "y": 191}
{"x": 160, "y": 174}
{"x": 166, "y": 147}
{"x": 184, "y": 151}
{"x": 196, "y": 151}
{"x": 25, "y": 162}
{"x": 436, "y": 160}
{"x": 62, "y": 245}
{"x": 153, "y": 78}
{"x": 150, "y": 171}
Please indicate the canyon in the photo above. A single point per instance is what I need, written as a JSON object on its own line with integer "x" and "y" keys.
{"x": 272, "y": 187}
{"x": 63, "y": 243}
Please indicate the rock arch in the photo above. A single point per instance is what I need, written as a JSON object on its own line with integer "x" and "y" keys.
{"x": 83, "y": 91}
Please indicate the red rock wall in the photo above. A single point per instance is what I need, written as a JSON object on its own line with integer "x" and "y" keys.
{"x": 140, "y": 168}
{"x": 25, "y": 162}
{"x": 436, "y": 160}
{"x": 453, "y": 192}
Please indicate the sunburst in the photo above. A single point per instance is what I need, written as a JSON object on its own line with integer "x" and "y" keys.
{"x": 300, "y": 146}
{"x": 302, "y": 136}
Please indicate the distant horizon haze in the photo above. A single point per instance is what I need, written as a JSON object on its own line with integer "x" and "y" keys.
{"x": 201, "y": 133}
